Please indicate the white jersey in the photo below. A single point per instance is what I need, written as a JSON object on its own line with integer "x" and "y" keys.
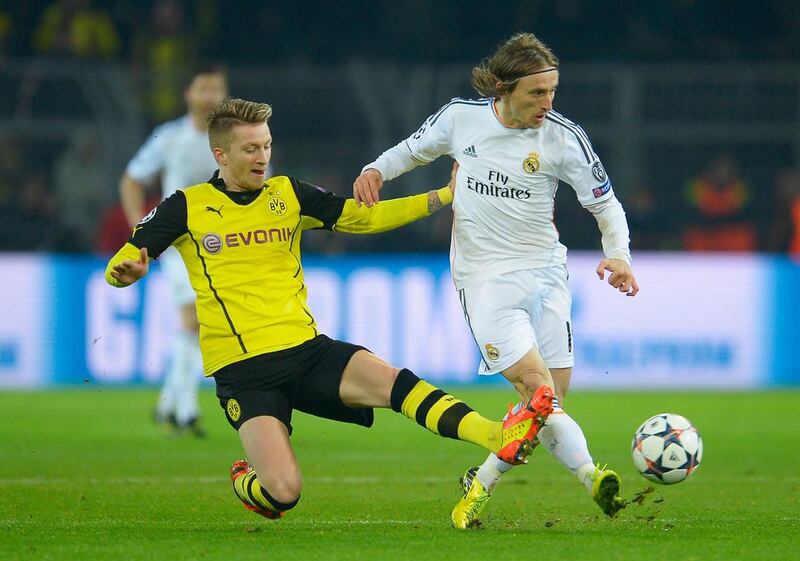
{"x": 506, "y": 186}
{"x": 178, "y": 153}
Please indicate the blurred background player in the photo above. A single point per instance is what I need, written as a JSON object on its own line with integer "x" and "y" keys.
{"x": 506, "y": 259}
{"x": 177, "y": 153}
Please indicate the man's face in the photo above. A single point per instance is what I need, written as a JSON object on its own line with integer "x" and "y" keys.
{"x": 205, "y": 92}
{"x": 243, "y": 164}
{"x": 532, "y": 98}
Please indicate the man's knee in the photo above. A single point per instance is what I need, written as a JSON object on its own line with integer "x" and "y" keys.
{"x": 283, "y": 490}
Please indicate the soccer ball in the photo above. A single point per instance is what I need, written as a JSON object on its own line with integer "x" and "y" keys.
{"x": 666, "y": 448}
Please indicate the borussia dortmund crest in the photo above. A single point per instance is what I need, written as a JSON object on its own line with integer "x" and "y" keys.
{"x": 277, "y": 205}
{"x": 234, "y": 411}
{"x": 531, "y": 163}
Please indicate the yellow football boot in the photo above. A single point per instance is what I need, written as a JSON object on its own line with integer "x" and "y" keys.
{"x": 465, "y": 513}
{"x": 605, "y": 490}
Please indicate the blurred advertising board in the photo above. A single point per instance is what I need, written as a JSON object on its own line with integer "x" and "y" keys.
{"x": 700, "y": 321}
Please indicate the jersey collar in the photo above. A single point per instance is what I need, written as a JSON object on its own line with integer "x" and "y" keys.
{"x": 239, "y": 197}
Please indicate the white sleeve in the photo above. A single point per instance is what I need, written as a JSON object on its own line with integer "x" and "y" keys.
{"x": 614, "y": 228}
{"x": 150, "y": 159}
{"x": 582, "y": 169}
{"x": 430, "y": 141}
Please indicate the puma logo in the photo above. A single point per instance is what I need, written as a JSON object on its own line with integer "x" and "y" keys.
{"x": 217, "y": 210}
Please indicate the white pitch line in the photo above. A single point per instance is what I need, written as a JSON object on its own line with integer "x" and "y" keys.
{"x": 322, "y": 479}
{"x": 242, "y": 525}
{"x": 155, "y": 480}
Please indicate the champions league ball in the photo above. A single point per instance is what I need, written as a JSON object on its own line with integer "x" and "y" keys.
{"x": 667, "y": 448}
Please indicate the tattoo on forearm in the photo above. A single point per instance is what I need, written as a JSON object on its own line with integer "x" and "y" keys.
{"x": 434, "y": 203}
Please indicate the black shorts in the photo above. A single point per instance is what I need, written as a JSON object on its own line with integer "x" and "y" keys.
{"x": 305, "y": 377}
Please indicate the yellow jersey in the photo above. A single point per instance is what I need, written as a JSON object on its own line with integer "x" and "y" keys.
{"x": 242, "y": 253}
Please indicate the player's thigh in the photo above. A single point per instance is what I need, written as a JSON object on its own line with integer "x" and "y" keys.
{"x": 266, "y": 443}
{"x": 320, "y": 392}
{"x": 259, "y": 386}
{"x": 367, "y": 381}
{"x": 497, "y": 315}
{"x": 551, "y": 317}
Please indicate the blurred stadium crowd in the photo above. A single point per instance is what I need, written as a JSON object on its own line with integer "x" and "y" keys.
{"x": 58, "y": 192}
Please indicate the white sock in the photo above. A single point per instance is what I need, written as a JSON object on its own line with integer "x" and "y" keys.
{"x": 491, "y": 470}
{"x": 184, "y": 376}
{"x": 562, "y": 436}
{"x": 584, "y": 474}
{"x": 166, "y": 399}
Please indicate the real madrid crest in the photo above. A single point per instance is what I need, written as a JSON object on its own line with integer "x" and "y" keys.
{"x": 531, "y": 163}
{"x": 492, "y": 352}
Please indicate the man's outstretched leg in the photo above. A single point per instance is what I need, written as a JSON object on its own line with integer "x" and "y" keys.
{"x": 368, "y": 381}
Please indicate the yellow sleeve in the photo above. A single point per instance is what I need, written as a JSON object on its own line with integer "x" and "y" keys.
{"x": 386, "y": 215}
{"x": 128, "y": 251}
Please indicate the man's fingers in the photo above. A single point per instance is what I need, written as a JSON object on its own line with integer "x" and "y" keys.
{"x": 453, "y": 174}
{"x": 366, "y": 197}
{"x": 358, "y": 190}
{"x": 143, "y": 256}
{"x": 362, "y": 191}
{"x": 374, "y": 191}
{"x": 622, "y": 279}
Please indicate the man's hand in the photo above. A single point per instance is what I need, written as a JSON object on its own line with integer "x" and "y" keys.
{"x": 366, "y": 187}
{"x": 129, "y": 271}
{"x": 621, "y": 276}
{"x": 434, "y": 201}
{"x": 453, "y": 174}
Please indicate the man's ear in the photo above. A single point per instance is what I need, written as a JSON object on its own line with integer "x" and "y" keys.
{"x": 220, "y": 156}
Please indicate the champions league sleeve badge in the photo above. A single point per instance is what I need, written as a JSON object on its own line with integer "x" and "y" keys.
{"x": 598, "y": 172}
{"x": 531, "y": 163}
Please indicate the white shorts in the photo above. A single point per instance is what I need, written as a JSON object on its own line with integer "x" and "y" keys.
{"x": 175, "y": 272}
{"x": 521, "y": 310}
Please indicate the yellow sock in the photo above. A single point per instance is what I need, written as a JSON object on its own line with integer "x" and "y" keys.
{"x": 443, "y": 414}
{"x": 476, "y": 428}
{"x": 248, "y": 489}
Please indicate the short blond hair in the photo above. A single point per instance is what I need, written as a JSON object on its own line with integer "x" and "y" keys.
{"x": 519, "y": 56}
{"x": 231, "y": 112}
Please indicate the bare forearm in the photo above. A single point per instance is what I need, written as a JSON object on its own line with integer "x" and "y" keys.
{"x": 435, "y": 201}
{"x": 131, "y": 194}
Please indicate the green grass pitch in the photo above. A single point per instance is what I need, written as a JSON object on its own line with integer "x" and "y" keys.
{"x": 84, "y": 475}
